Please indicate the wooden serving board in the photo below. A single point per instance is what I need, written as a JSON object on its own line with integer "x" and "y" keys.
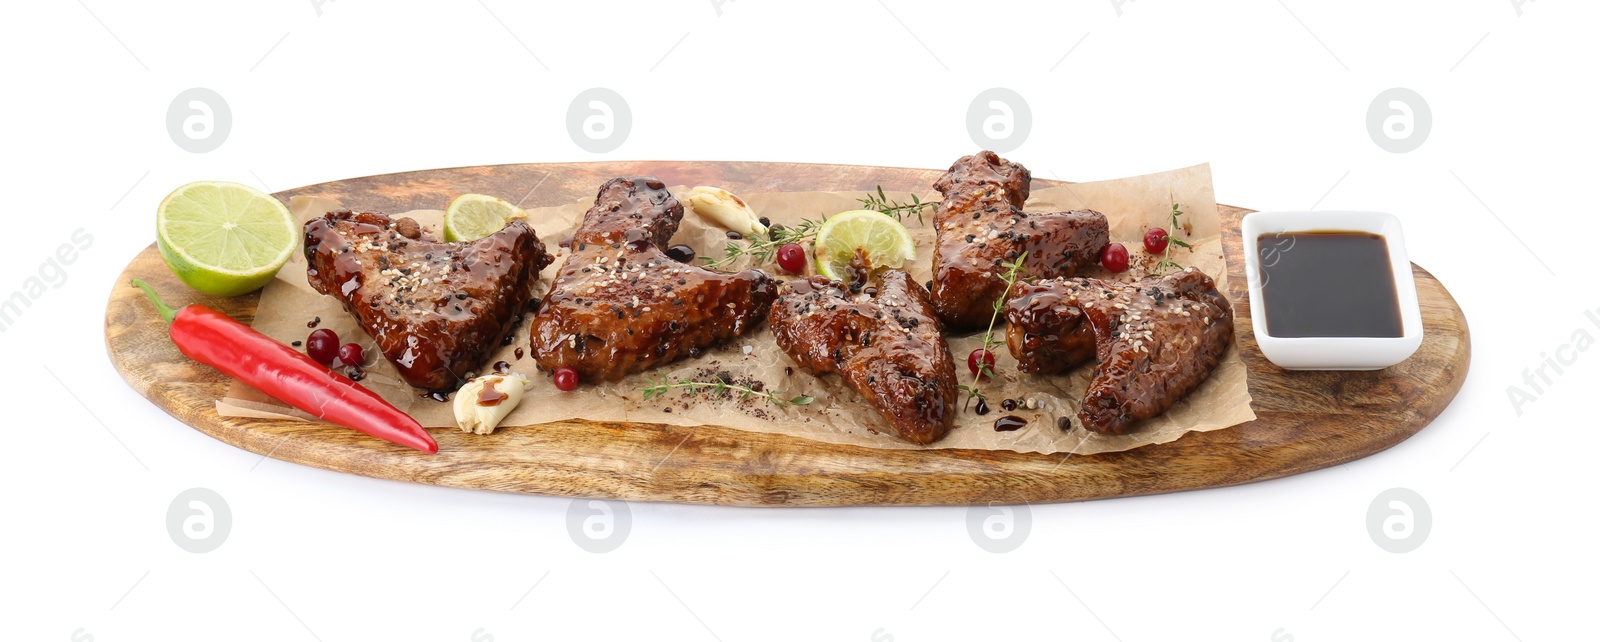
{"x": 1305, "y": 420}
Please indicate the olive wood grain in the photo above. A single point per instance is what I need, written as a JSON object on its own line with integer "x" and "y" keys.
{"x": 1305, "y": 420}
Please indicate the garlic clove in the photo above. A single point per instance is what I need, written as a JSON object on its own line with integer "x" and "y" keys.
{"x": 484, "y": 402}
{"x": 728, "y": 210}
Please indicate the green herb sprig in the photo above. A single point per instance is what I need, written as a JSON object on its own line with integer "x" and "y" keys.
{"x": 664, "y": 385}
{"x": 1172, "y": 239}
{"x": 989, "y": 343}
{"x": 762, "y": 250}
{"x": 895, "y": 209}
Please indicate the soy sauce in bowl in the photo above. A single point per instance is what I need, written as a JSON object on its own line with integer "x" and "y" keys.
{"x": 1328, "y": 284}
{"x": 1331, "y": 290}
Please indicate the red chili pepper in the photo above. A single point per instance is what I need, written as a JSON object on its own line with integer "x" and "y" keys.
{"x": 283, "y": 373}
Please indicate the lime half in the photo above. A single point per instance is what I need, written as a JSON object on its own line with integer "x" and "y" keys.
{"x": 473, "y": 216}
{"x": 224, "y": 239}
{"x": 883, "y": 240}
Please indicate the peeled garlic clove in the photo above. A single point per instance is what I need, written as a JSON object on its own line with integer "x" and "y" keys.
{"x": 722, "y": 206}
{"x": 483, "y": 402}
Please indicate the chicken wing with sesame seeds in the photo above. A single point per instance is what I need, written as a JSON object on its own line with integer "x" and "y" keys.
{"x": 435, "y": 309}
{"x": 980, "y": 225}
{"x": 1156, "y": 339}
{"x": 885, "y": 342}
{"x": 620, "y": 305}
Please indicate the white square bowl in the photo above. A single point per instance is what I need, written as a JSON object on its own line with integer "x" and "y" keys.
{"x": 1333, "y": 353}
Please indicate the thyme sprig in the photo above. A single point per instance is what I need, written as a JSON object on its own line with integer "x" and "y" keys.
{"x": 1172, "y": 239}
{"x": 664, "y": 385}
{"x": 762, "y": 250}
{"x": 989, "y": 343}
{"x": 895, "y": 209}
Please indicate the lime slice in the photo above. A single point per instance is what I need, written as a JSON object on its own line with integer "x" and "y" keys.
{"x": 884, "y": 240}
{"x": 473, "y": 216}
{"x": 224, "y": 239}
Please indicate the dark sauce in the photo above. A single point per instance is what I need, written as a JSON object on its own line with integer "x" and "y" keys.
{"x": 440, "y": 397}
{"x": 681, "y": 253}
{"x": 489, "y": 396}
{"x": 982, "y": 408}
{"x": 1328, "y": 284}
{"x": 1009, "y": 423}
{"x": 636, "y": 238}
{"x": 1008, "y": 405}
{"x": 858, "y": 271}
{"x": 501, "y": 367}
{"x": 314, "y": 322}
{"x": 518, "y": 353}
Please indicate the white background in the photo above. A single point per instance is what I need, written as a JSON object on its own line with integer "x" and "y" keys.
{"x": 1273, "y": 94}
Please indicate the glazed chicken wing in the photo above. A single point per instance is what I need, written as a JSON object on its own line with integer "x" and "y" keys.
{"x": 980, "y": 225}
{"x": 435, "y": 309}
{"x": 885, "y": 342}
{"x": 1156, "y": 340}
{"x": 620, "y": 305}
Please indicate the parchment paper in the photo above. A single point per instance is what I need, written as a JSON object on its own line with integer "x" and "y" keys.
{"x": 838, "y": 415}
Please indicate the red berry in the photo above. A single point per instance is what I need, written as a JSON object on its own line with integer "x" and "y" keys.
{"x": 323, "y": 346}
{"x": 1155, "y": 240}
{"x": 350, "y": 354}
{"x": 792, "y": 258}
{"x": 1115, "y": 257}
{"x": 566, "y": 379}
{"x": 980, "y": 356}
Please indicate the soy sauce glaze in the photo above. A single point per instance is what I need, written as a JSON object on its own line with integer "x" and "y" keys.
{"x": 1328, "y": 283}
{"x": 489, "y": 396}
